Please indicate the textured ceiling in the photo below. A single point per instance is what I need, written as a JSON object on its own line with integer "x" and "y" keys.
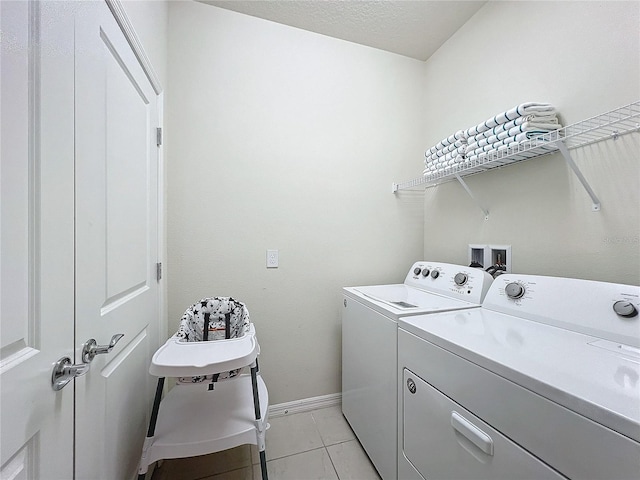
{"x": 414, "y": 28}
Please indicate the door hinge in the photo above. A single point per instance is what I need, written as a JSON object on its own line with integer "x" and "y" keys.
{"x": 159, "y": 136}
{"x": 158, "y": 271}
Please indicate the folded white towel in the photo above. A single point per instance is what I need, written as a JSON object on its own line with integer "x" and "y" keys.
{"x": 531, "y": 126}
{"x": 431, "y": 158}
{"x": 441, "y": 150}
{"x": 476, "y": 149}
{"x": 497, "y": 129}
{"x": 458, "y": 137}
{"x": 483, "y": 149}
{"x": 503, "y": 135}
{"x": 538, "y": 128}
{"x": 480, "y": 143}
{"x": 541, "y": 117}
{"x": 518, "y": 121}
{"x": 442, "y": 153}
{"x": 545, "y": 135}
{"x": 451, "y": 147}
{"x": 449, "y": 156}
{"x": 528, "y": 108}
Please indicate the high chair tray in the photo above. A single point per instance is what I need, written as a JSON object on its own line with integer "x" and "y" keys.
{"x": 177, "y": 358}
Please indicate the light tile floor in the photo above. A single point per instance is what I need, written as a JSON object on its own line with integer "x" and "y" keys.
{"x": 316, "y": 445}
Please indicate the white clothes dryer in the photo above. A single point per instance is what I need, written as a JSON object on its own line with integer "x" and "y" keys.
{"x": 369, "y": 346}
{"x": 541, "y": 382}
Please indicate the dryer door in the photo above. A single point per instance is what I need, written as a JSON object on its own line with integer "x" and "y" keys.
{"x": 443, "y": 440}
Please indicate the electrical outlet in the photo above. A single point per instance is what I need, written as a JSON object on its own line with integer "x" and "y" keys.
{"x": 272, "y": 258}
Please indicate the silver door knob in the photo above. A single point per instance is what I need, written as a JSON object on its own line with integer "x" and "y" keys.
{"x": 90, "y": 348}
{"x": 64, "y": 371}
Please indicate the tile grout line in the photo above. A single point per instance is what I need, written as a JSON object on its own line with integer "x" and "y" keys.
{"x": 332, "y": 463}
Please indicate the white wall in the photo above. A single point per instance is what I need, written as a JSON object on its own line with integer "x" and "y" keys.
{"x": 284, "y": 139}
{"x": 583, "y": 57}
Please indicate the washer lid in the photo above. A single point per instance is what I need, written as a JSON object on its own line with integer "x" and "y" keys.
{"x": 595, "y": 378}
{"x": 400, "y": 300}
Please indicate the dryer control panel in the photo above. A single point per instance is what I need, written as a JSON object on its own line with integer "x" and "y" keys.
{"x": 601, "y": 309}
{"x": 458, "y": 281}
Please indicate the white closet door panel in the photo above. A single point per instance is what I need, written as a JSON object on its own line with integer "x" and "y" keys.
{"x": 127, "y": 179}
{"x": 116, "y": 245}
{"x": 36, "y": 232}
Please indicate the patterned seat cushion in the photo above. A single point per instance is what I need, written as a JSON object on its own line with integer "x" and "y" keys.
{"x": 213, "y": 318}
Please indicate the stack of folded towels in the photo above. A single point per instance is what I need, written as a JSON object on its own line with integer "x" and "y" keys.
{"x": 446, "y": 153}
{"x": 505, "y": 130}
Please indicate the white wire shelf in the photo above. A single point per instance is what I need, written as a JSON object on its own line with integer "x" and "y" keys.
{"x": 612, "y": 124}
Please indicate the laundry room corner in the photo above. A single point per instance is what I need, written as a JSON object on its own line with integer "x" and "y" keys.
{"x": 540, "y": 53}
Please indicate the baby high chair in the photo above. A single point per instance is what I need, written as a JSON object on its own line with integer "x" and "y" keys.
{"x": 211, "y": 408}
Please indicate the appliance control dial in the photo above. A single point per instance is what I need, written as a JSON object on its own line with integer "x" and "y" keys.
{"x": 625, "y": 309}
{"x": 416, "y": 271}
{"x": 425, "y": 272}
{"x": 514, "y": 290}
{"x": 435, "y": 273}
{"x": 461, "y": 278}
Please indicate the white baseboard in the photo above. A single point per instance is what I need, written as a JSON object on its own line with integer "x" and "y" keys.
{"x": 305, "y": 405}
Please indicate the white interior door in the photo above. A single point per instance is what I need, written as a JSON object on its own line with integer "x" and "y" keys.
{"x": 116, "y": 214}
{"x": 79, "y": 241}
{"x": 36, "y": 238}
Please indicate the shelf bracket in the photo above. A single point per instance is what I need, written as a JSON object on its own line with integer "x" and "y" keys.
{"x": 468, "y": 190}
{"x": 567, "y": 157}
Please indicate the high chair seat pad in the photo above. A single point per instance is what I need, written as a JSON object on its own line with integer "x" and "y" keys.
{"x": 224, "y": 317}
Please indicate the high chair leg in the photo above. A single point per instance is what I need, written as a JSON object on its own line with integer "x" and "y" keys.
{"x": 144, "y": 466}
{"x": 260, "y": 430}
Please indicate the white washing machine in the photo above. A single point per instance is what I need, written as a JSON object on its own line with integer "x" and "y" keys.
{"x": 541, "y": 382}
{"x": 369, "y": 346}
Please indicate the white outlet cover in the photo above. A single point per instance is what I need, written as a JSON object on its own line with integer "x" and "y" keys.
{"x": 272, "y": 258}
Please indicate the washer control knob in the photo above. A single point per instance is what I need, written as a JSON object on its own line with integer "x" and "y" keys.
{"x": 416, "y": 271}
{"x": 514, "y": 290}
{"x": 425, "y": 272}
{"x": 625, "y": 309}
{"x": 461, "y": 278}
{"x": 435, "y": 273}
